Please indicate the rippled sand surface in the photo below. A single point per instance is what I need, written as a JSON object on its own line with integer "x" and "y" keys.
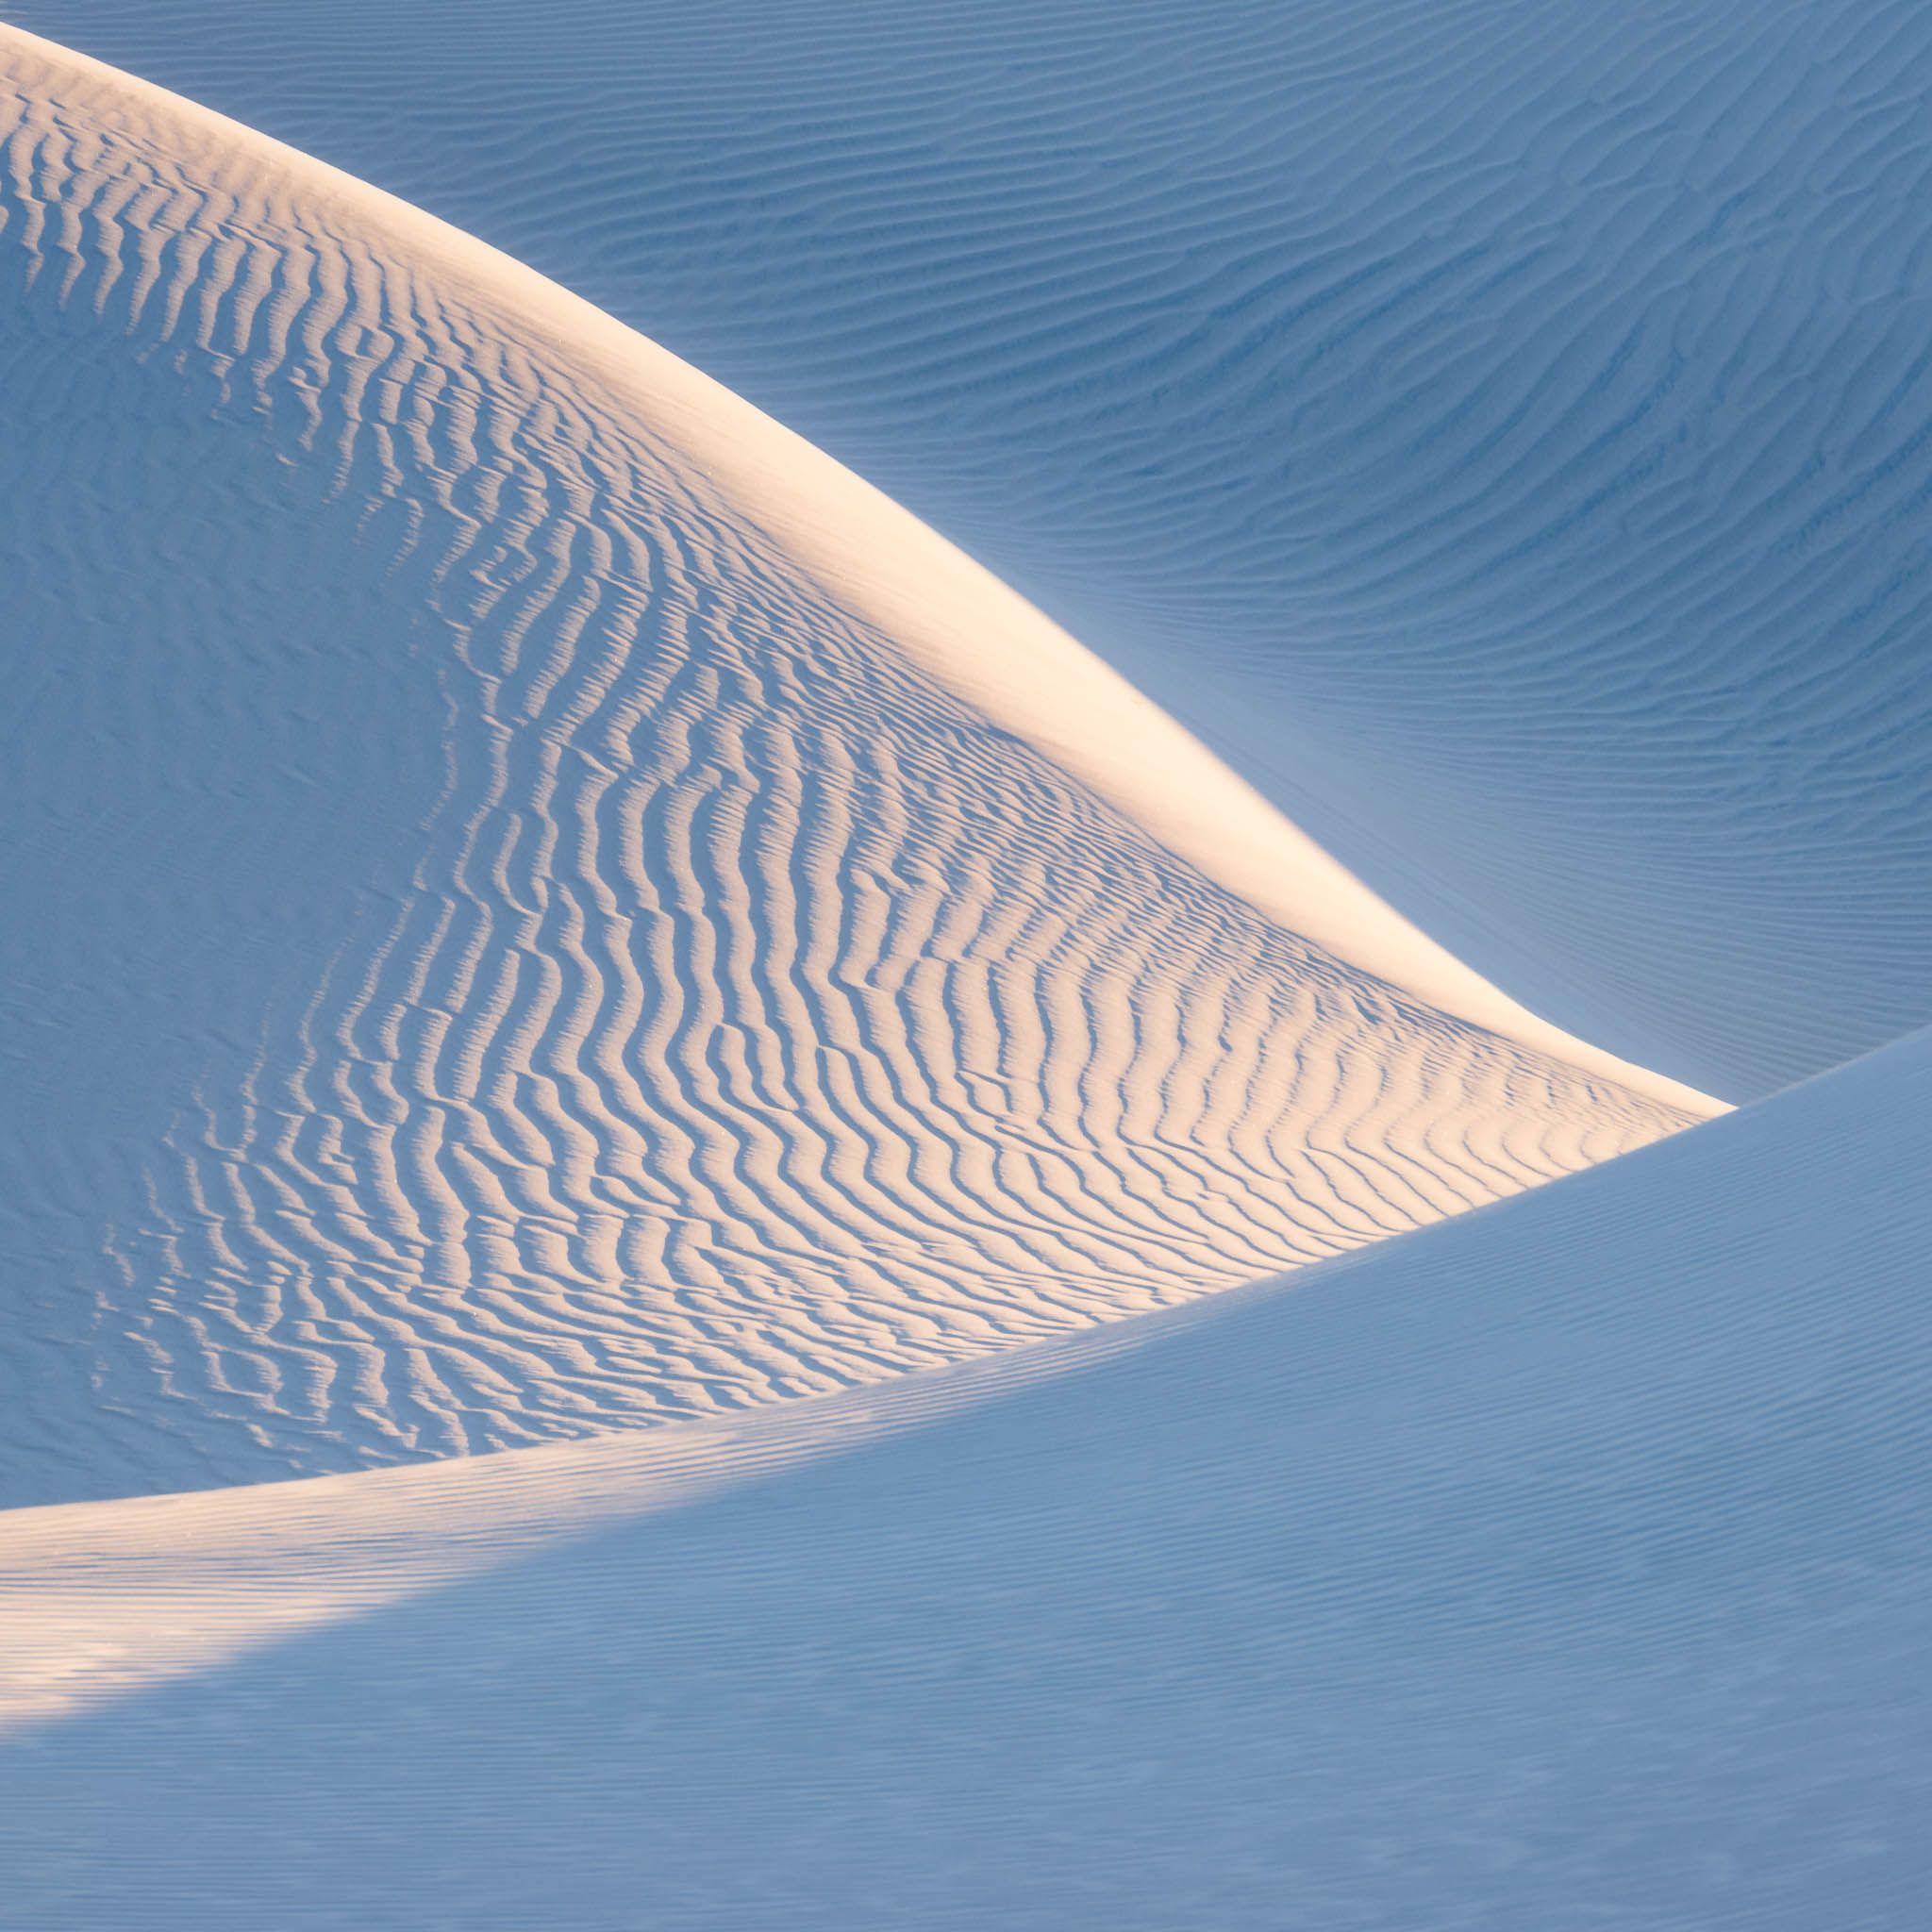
{"x": 742, "y": 1014}
{"x": 1499, "y": 428}
{"x": 704, "y": 1225}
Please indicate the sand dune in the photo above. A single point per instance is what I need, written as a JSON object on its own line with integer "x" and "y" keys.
{"x": 1563, "y": 1563}
{"x": 606, "y": 976}
{"x": 1036, "y": 1381}
{"x": 1500, "y": 429}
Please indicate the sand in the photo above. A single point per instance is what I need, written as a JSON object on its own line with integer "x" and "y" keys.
{"x": 1498, "y": 428}
{"x": 711, "y": 1217}
{"x": 625, "y": 960}
{"x": 1562, "y": 1563}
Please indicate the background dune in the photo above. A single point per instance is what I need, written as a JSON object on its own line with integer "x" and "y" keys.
{"x": 1499, "y": 427}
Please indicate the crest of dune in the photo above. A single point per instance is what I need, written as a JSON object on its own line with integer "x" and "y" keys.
{"x": 1498, "y": 427}
{"x": 640, "y": 924}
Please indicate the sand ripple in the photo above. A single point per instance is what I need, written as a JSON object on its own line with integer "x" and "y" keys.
{"x": 745, "y": 1015}
{"x": 1503, "y": 428}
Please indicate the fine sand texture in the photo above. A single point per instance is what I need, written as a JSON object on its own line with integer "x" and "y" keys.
{"x": 714, "y": 1217}
{"x": 1565, "y": 1564}
{"x": 1501, "y": 427}
{"x": 518, "y": 924}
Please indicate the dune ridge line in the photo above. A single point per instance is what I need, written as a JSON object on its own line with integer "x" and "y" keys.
{"x": 715, "y": 1006}
{"x": 953, "y": 617}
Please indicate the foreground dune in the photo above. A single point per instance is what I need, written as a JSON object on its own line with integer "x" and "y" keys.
{"x": 1562, "y": 1564}
{"x": 540, "y": 903}
{"x": 1499, "y": 426}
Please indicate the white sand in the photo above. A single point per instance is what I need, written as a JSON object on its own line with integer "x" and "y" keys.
{"x": 539, "y": 905}
{"x": 765, "y": 954}
{"x": 1569, "y": 1550}
{"x": 1496, "y": 427}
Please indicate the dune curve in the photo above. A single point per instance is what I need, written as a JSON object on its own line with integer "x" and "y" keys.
{"x": 729, "y": 1006}
{"x": 1498, "y": 428}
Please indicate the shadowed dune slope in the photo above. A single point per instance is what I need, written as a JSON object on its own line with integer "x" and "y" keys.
{"x": 1565, "y": 1564}
{"x": 499, "y": 951}
{"x": 1500, "y": 426}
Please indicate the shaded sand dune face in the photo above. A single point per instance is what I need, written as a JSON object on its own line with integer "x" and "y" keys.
{"x": 1500, "y": 426}
{"x": 508, "y": 953}
{"x": 1566, "y": 1563}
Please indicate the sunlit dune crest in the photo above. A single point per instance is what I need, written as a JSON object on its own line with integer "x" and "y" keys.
{"x": 800, "y": 974}
{"x": 1498, "y": 428}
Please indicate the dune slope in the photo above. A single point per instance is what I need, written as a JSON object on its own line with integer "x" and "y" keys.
{"x": 507, "y": 944}
{"x": 537, "y": 903}
{"x": 1501, "y": 427}
{"x": 1562, "y": 1564}
{"x": 1498, "y": 426}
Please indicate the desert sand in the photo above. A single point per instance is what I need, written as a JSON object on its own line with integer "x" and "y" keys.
{"x": 1497, "y": 429}
{"x": 730, "y": 1000}
{"x": 1559, "y": 1563}
{"x": 715, "y": 1211}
